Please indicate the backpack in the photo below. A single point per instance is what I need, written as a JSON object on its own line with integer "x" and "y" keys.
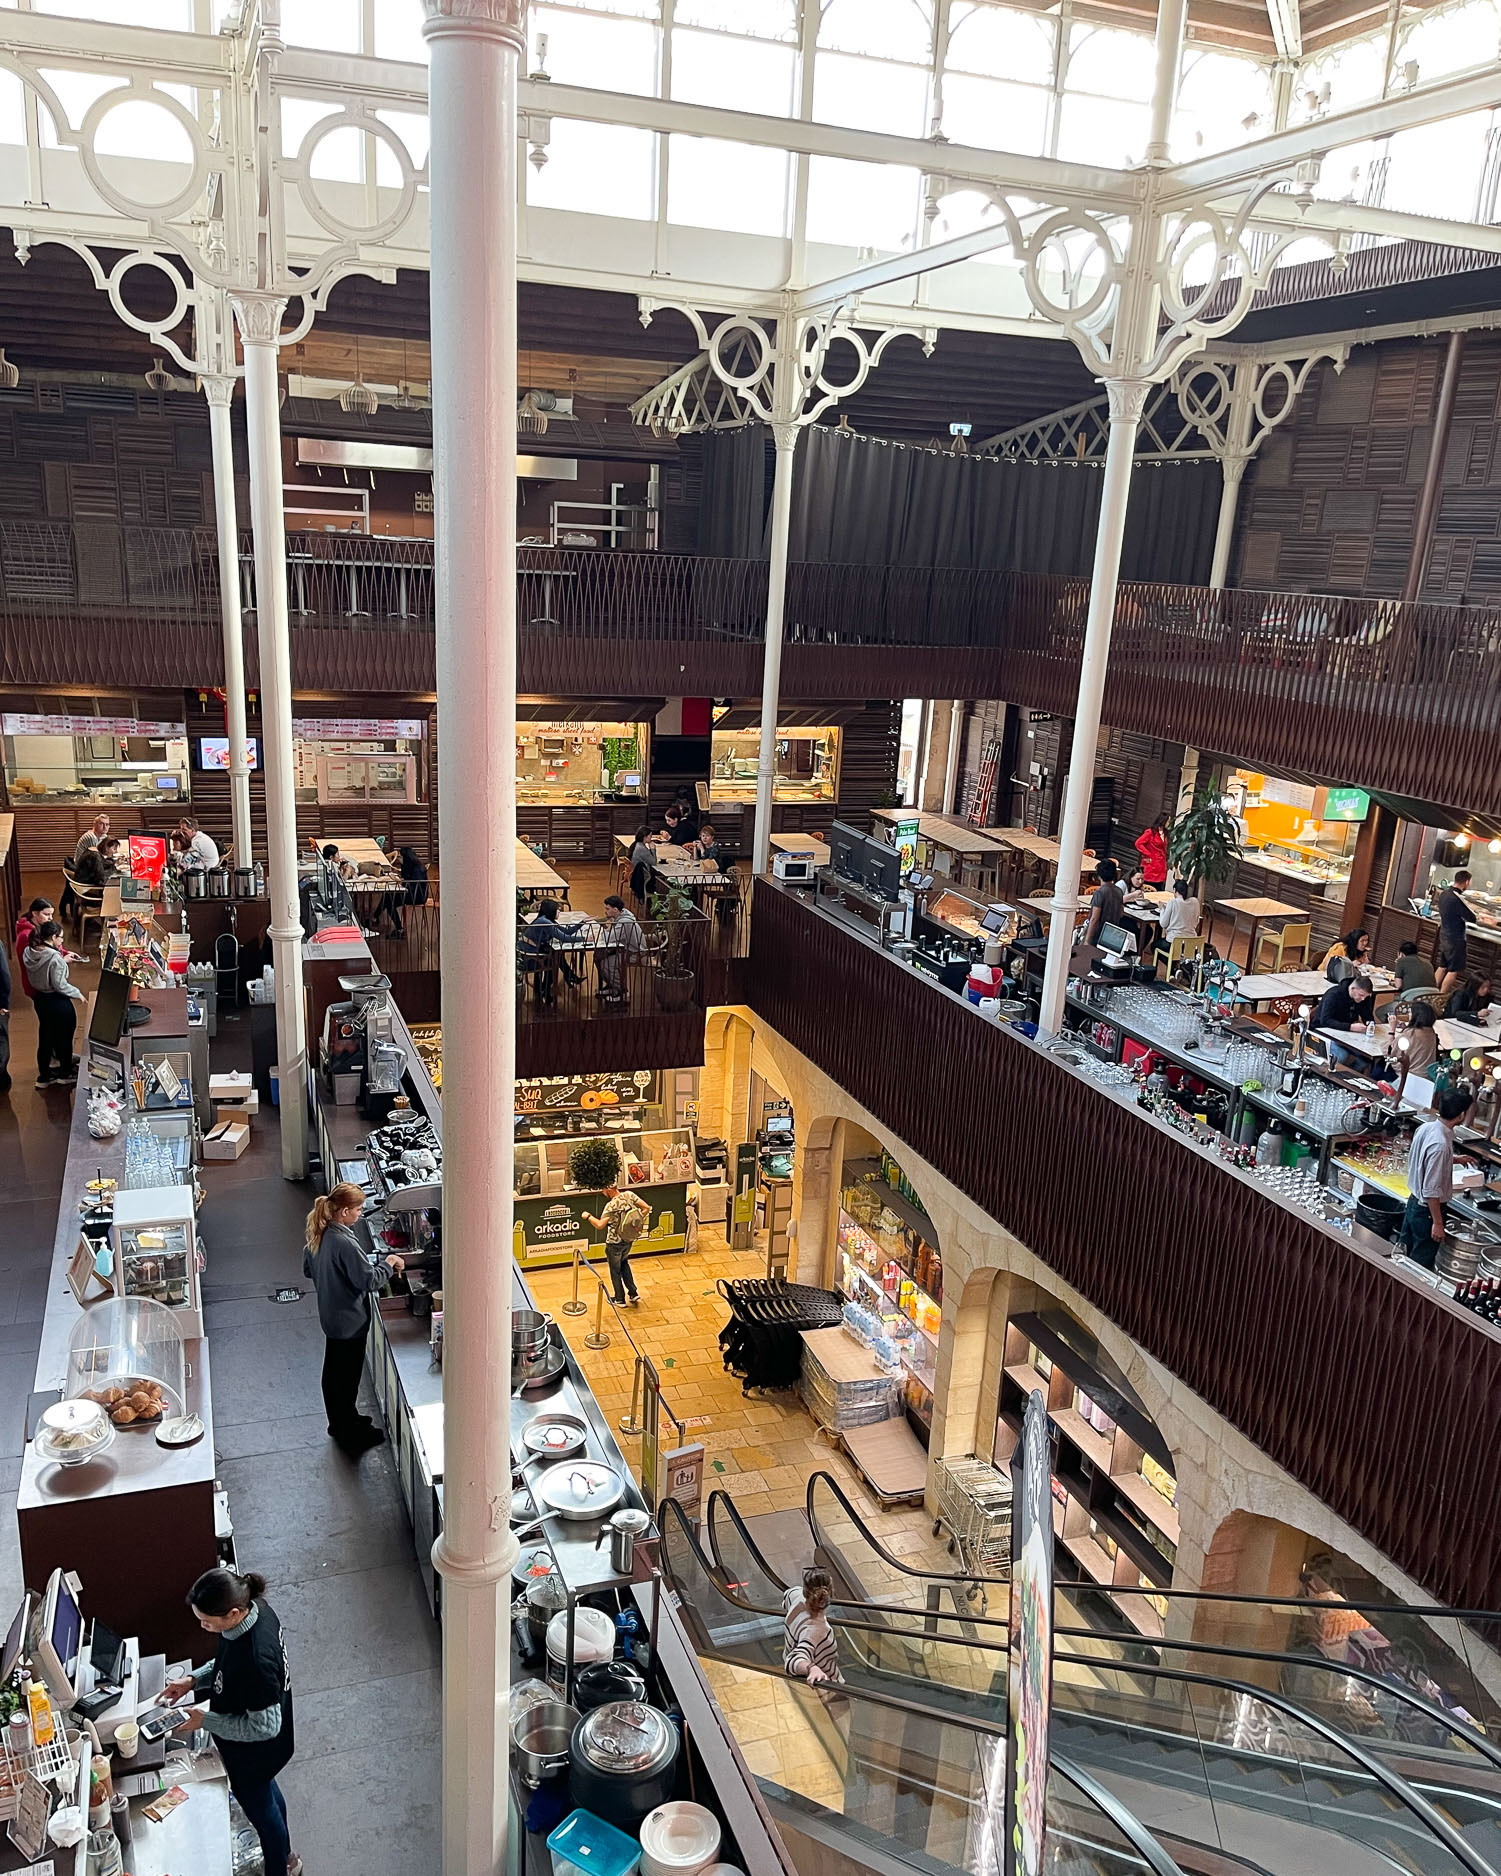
{"x": 634, "y": 1222}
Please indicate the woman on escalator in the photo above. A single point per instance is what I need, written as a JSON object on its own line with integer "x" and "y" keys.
{"x": 809, "y": 1647}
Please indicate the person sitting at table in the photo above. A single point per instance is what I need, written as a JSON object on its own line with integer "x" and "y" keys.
{"x": 1107, "y": 903}
{"x": 202, "y": 844}
{"x": 643, "y": 859}
{"x": 622, "y": 940}
{"x": 1181, "y": 914}
{"x": 185, "y": 856}
{"x": 706, "y": 847}
{"x": 1342, "y": 1006}
{"x": 1411, "y": 971}
{"x": 687, "y": 812}
{"x": 1348, "y": 956}
{"x": 1471, "y": 1002}
{"x": 98, "y": 865}
{"x": 413, "y": 891}
{"x": 1422, "y": 1041}
{"x": 543, "y": 955}
{"x": 1136, "y": 885}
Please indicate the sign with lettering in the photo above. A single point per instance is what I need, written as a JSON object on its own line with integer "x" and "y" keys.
{"x": 357, "y": 729}
{"x": 547, "y": 1229}
{"x": 12, "y": 724}
{"x": 682, "y": 1475}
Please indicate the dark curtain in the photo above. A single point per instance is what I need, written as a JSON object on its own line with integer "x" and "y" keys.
{"x": 732, "y": 512}
{"x": 860, "y": 501}
{"x": 1170, "y": 522}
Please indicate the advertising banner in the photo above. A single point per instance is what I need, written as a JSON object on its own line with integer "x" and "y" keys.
{"x": 1031, "y": 1662}
{"x": 547, "y": 1229}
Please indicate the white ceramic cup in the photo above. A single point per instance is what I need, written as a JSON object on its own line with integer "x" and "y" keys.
{"x": 127, "y": 1739}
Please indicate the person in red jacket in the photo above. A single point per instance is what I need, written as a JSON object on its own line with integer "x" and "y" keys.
{"x": 27, "y": 926}
{"x": 1152, "y": 846}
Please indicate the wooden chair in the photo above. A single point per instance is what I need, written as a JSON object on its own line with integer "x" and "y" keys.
{"x": 1180, "y": 951}
{"x": 1297, "y": 936}
{"x": 88, "y": 903}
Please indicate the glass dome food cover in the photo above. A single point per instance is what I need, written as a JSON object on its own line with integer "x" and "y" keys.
{"x": 127, "y": 1353}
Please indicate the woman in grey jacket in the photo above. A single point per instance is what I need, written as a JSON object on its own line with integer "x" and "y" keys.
{"x": 344, "y": 1277}
{"x": 54, "y": 996}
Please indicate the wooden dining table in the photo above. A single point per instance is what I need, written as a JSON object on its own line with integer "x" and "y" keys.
{"x": 1250, "y": 912}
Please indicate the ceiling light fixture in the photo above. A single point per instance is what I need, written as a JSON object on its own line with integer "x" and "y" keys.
{"x": 10, "y": 375}
{"x": 357, "y": 398}
{"x": 158, "y": 378}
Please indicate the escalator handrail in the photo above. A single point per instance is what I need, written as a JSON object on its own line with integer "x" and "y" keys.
{"x": 1436, "y": 1611}
{"x": 1473, "y": 1738}
{"x": 718, "y": 1499}
{"x": 1141, "y": 1839}
{"x": 1126, "y": 1822}
{"x": 1390, "y": 1781}
{"x": 1471, "y": 1735}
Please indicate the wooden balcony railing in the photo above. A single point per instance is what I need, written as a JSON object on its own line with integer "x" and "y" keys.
{"x": 1401, "y": 698}
{"x": 1381, "y": 1397}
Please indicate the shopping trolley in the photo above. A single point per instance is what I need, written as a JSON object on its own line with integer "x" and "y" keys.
{"x": 973, "y": 1500}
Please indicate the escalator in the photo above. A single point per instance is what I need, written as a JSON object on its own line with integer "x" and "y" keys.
{"x": 1232, "y": 1757}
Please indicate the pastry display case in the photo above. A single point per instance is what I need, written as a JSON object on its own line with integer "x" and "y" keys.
{"x": 127, "y": 1354}
{"x": 352, "y": 776}
{"x": 156, "y": 1252}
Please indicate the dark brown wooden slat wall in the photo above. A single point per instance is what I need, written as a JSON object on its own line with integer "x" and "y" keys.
{"x": 1381, "y": 1399}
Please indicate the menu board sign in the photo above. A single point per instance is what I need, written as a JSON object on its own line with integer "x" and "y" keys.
{"x": 358, "y": 729}
{"x": 12, "y": 724}
{"x": 563, "y": 1092}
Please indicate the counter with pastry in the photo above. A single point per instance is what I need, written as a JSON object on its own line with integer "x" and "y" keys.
{"x": 131, "y": 1462}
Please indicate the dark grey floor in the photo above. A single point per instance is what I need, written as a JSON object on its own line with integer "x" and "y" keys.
{"x": 330, "y": 1537}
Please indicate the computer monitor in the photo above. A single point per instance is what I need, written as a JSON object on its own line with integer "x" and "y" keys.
{"x": 994, "y": 920}
{"x": 110, "y": 1004}
{"x": 632, "y": 780}
{"x": 778, "y": 1124}
{"x": 58, "y": 1652}
{"x": 148, "y": 855}
{"x": 883, "y": 868}
{"x": 1114, "y": 938}
{"x": 15, "y": 1639}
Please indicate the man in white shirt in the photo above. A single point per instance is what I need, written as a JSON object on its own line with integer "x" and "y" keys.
{"x": 1430, "y": 1177}
{"x": 200, "y": 842}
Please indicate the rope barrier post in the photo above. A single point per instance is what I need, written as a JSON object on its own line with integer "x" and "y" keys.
{"x": 598, "y": 1336}
{"x": 575, "y": 1307}
{"x": 631, "y": 1423}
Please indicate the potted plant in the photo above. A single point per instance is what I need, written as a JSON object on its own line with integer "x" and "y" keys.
{"x": 1203, "y": 844}
{"x": 594, "y": 1164}
{"x": 673, "y": 980}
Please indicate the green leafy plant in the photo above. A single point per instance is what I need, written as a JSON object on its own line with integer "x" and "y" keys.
{"x": 1203, "y": 844}
{"x": 594, "y": 1164}
{"x": 672, "y": 910}
{"x": 618, "y": 755}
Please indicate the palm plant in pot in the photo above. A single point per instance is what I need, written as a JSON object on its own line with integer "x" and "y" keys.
{"x": 673, "y": 981}
{"x": 1203, "y": 843}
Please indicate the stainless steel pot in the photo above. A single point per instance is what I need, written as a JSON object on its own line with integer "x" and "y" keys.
{"x": 531, "y": 1334}
{"x": 623, "y": 1762}
{"x": 623, "y": 1530}
{"x": 541, "y": 1738}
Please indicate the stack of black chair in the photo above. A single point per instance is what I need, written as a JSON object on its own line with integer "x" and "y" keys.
{"x": 761, "y": 1341}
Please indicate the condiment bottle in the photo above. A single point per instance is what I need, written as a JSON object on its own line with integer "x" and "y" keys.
{"x": 43, "y": 1727}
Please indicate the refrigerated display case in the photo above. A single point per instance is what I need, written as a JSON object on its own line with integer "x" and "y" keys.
{"x": 155, "y": 1242}
{"x": 887, "y": 1265}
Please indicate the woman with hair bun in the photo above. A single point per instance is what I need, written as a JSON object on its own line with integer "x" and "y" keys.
{"x": 345, "y": 1277}
{"x": 249, "y": 1711}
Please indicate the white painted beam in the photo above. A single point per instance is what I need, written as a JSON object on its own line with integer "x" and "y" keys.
{"x": 98, "y": 45}
{"x": 1453, "y": 97}
{"x": 1287, "y": 28}
{"x": 868, "y": 279}
{"x": 1332, "y": 218}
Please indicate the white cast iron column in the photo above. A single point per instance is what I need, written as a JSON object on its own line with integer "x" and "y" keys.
{"x": 476, "y": 48}
{"x": 1233, "y": 462}
{"x": 784, "y": 434}
{"x": 1127, "y": 398}
{"x": 259, "y": 318}
{"x": 219, "y": 391}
